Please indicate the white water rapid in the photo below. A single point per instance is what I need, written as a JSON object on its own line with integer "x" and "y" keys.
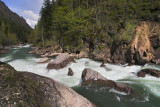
{"x": 121, "y": 73}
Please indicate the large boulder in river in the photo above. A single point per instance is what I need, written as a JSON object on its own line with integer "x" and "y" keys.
{"x": 24, "y": 89}
{"x": 61, "y": 61}
{"x": 58, "y": 94}
{"x": 91, "y": 77}
{"x": 70, "y": 72}
{"x": 152, "y": 72}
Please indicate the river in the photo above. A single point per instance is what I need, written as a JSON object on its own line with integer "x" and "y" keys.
{"x": 147, "y": 90}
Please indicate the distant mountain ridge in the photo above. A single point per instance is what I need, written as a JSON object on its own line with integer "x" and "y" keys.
{"x": 6, "y": 12}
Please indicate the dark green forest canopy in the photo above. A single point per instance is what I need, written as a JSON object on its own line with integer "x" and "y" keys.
{"x": 13, "y": 28}
{"x": 72, "y": 23}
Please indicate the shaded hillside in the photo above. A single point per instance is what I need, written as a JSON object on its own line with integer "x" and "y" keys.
{"x": 13, "y": 28}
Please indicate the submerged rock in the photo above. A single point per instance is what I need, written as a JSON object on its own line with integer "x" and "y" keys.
{"x": 70, "y": 72}
{"x": 61, "y": 61}
{"x": 152, "y": 72}
{"x": 102, "y": 65}
{"x": 91, "y": 77}
{"x": 44, "y": 60}
{"x": 31, "y": 90}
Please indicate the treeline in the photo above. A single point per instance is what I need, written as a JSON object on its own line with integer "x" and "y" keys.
{"x": 74, "y": 23}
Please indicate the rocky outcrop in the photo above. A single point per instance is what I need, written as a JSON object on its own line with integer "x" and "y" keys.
{"x": 91, "y": 77}
{"x": 31, "y": 90}
{"x": 61, "y": 61}
{"x": 146, "y": 41}
{"x": 119, "y": 56}
{"x": 44, "y": 60}
{"x": 151, "y": 72}
{"x": 70, "y": 72}
{"x": 46, "y": 51}
{"x": 41, "y": 51}
{"x": 16, "y": 90}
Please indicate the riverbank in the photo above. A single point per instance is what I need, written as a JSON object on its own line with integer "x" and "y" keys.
{"x": 147, "y": 88}
{"x": 143, "y": 48}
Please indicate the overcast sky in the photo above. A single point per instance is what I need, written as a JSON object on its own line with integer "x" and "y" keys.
{"x": 29, "y": 9}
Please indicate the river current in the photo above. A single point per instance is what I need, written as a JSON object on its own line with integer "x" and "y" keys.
{"x": 147, "y": 90}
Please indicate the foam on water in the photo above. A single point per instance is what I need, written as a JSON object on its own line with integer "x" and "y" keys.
{"x": 113, "y": 72}
{"x": 118, "y": 92}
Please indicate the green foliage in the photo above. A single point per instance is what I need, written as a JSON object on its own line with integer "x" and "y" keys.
{"x": 72, "y": 23}
{"x": 12, "y": 32}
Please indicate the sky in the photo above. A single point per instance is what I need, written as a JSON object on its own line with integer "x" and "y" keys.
{"x": 28, "y": 9}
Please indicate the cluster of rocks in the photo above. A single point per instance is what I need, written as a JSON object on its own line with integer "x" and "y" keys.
{"x": 31, "y": 90}
{"x": 151, "y": 72}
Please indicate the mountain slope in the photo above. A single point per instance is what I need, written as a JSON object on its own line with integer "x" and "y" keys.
{"x": 13, "y": 28}
{"x": 6, "y": 12}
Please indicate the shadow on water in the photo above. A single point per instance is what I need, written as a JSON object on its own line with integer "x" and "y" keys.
{"x": 17, "y": 54}
{"x": 105, "y": 97}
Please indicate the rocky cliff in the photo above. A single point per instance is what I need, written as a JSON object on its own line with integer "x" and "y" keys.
{"x": 144, "y": 47}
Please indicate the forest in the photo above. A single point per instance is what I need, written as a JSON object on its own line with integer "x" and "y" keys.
{"x": 12, "y": 33}
{"x": 73, "y": 23}
{"x": 13, "y": 28}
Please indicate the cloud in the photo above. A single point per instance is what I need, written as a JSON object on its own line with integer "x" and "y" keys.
{"x": 30, "y": 17}
{"x": 32, "y": 23}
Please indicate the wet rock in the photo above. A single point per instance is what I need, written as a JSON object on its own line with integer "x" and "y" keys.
{"x": 130, "y": 64}
{"x": 31, "y": 90}
{"x": 158, "y": 62}
{"x": 51, "y": 54}
{"x": 107, "y": 61}
{"x": 105, "y": 67}
{"x": 91, "y": 77}
{"x": 61, "y": 61}
{"x": 44, "y": 60}
{"x": 70, "y": 72}
{"x": 102, "y": 65}
{"x": 58, "y": 94}
{"x": 152, "y": 72}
